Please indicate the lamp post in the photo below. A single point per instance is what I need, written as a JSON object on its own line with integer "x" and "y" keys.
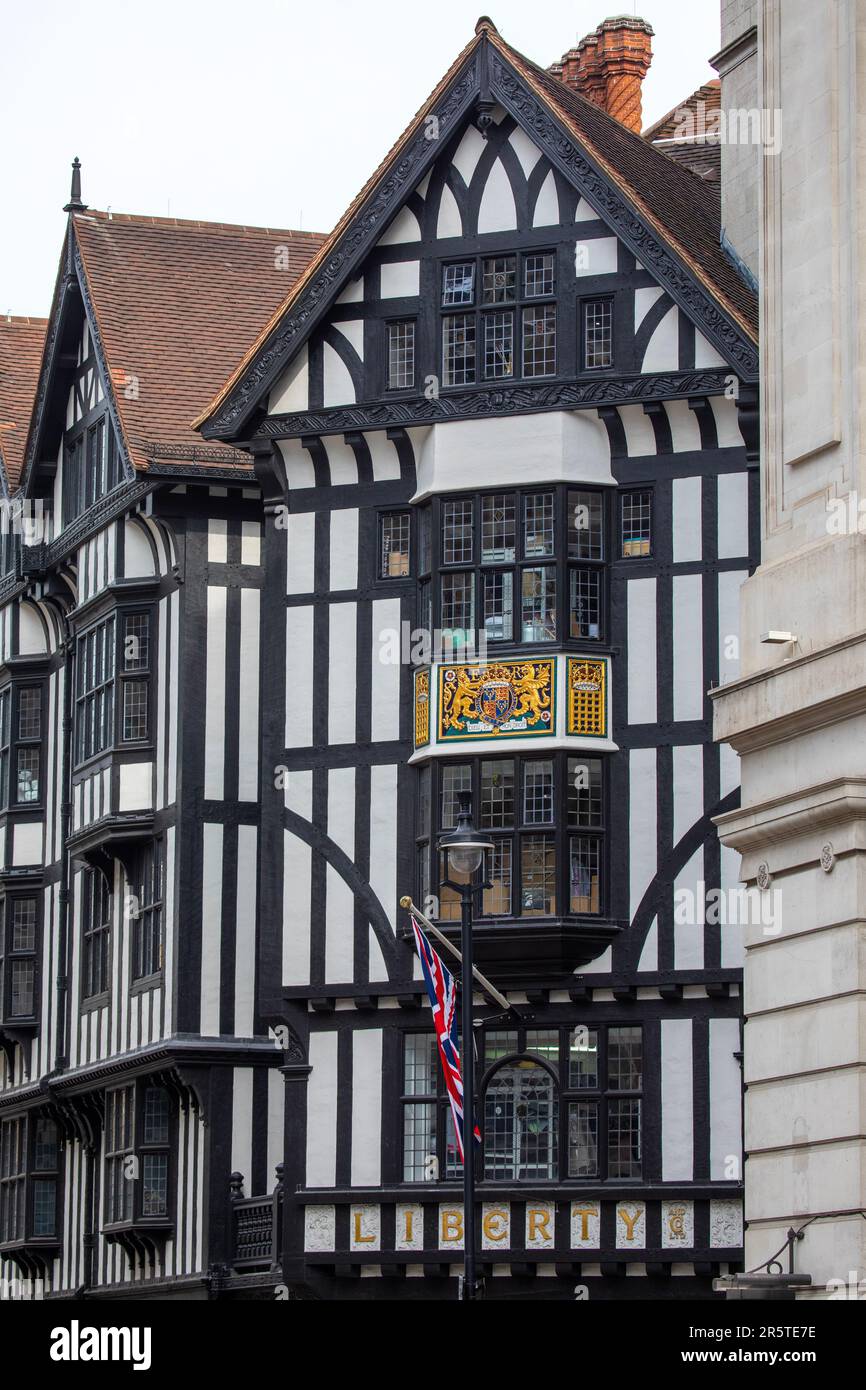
{"x": 464, "y": 847}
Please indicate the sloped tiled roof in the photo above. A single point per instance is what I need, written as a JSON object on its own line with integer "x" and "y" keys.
{"x": 689, "y": 135}
{"x": 674, "y": 201}
{"x": 680, "y": 205}
{"x": 176, "y": 305}
{"x": 21, "y": 344}
{"x": 710, "y": 93}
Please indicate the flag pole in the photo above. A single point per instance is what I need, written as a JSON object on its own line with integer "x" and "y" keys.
{"x": 482, "y": 980}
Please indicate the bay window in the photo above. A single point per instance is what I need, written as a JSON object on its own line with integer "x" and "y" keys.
{"x": 113, "y": 675}
{"x": 29, "y": 1180}
{"x": 138, "y": 1126}
{"x": 21, "y": 744}
{"x": 546, "y": 819}
{"x": 19, "y": 939}
{"x": 523, "y": 568}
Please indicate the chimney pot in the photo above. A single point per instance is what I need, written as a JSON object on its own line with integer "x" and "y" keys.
{"x": 609, "y": 66}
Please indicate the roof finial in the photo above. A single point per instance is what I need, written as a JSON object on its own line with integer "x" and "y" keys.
{"x": 75, "y": 204}
{"x": 485, "y": 23}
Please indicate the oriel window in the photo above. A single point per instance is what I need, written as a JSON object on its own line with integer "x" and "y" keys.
{"x": 545, "y": 817}
{"x": 19, "y": 952}
{"x": 29, "y": 743}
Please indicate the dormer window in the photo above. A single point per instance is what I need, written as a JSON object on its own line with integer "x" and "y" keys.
{"x": 499, "y": 318}
{"x": 91, "y": 466}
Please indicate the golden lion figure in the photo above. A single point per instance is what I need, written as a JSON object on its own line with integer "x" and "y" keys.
{"x": 529, "y": 681}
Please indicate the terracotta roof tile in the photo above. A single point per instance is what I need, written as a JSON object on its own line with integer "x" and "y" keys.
{"x": 176, "y": 305}
{"x": 710, "y": 93}
{"x": 689, "y": 132}
{"x": 21, "y": 343}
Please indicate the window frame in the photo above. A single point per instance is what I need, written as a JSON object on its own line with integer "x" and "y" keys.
{"x": 109, "y": 695}
{"x": 32, "y": 742}
{"x": 384, "y": 516}
{"x": 147, "y": 867}
{"x": 447, "y": 1170}
{"x": 627, "y": 495}
{"x": 560, "y": 563}
{"x": 429, "y": 870}
{"x": 13, "y": 743}
{"x": 402, "y": 321}
{"x": 9, "y": 955}
{"x": 584, "y": 305}
{"x": 25, "y": 1180}
{"x": 81, "y": 488}
{"x": 513, "y": 1045}
{"x": 96, "y": 936}
{"x": 137, "y": 1148}
{"x": 476, "y": 310}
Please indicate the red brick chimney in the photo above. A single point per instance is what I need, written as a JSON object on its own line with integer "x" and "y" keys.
{"x": 609, "y": 66}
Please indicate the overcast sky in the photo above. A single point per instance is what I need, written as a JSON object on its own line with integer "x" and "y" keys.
{"x": 267, "y": 112}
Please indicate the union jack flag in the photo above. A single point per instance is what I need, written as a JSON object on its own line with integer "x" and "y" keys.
{"x": 443, "y": 1001}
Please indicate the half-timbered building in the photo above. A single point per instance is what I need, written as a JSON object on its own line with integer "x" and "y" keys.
{"x": 503, "y": 425}
{"x": 135, "y": 1075}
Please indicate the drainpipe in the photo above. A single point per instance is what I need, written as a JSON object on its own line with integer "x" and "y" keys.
{"x": 63, "y": 952}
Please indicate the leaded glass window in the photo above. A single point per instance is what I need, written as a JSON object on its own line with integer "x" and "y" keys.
{"x": 597, "y": 333}
{"x": 636, "y": 524}
{"x": 401, "y": 355}
{"x": 545, "y": 818}
{"x": 503, "y": 330}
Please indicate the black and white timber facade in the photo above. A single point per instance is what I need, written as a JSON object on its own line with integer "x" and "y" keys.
{"x": 135, "y": 1073}
{"x": 472, "y": 514}
{"x": 502, "y": 407}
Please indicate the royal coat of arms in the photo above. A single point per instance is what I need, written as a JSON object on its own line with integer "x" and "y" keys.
{"x": 509, "y": 698}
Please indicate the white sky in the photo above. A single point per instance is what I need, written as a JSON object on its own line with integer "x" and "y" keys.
{"x": 266, "y": 112}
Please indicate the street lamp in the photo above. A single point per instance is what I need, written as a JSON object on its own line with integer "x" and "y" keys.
{"x": 464, "y": 847}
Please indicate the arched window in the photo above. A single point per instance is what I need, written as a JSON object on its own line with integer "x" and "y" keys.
{"x": 520, "y": 1122}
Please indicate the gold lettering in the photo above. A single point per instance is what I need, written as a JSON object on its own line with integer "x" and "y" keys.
{"x": 360, "y": 1239}
{"x": 630, "y": 1221}
{"x": 539, "y": 1223}
{"x": 408, "y": 1215}
{"x": 584, "y": 1213}
{"x": 452, "y": 1226}
{"x": 677, "y": 1222}
{"x": 499, "y": 1232}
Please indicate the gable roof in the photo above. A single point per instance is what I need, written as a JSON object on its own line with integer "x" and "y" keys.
{"x": 689, "y": 133}
{"x": 671, "y": 201}
{"x": 172, "y": 305}
{"x": 21, "y": 344}
{"x": 176, "y": 303}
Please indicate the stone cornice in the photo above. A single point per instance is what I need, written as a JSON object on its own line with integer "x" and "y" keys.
{"x": 744, "y": 46}
{"x": 794, "y": 698}
{"x": 814, "y": 813}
